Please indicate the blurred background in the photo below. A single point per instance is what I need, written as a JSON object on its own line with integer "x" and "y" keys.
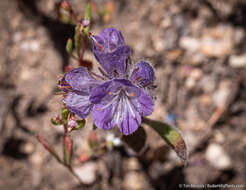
{"x": 198, "y": 50}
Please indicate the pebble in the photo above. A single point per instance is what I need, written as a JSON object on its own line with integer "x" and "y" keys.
{"x": 37, "y": 159}
{"x": 221, "y": 95}
{"x": 217, "y": 42}
{"x": 87, "y": 172}
{"x": 217, "y": 156}
{"x": 194, "y": 76}
{"x": 189, "y": 43}
{"x": 132, "y": 164}
{"x": 237, "y": 61}
{"x": 30, "y": 45}
{"x": 134, "y": 181}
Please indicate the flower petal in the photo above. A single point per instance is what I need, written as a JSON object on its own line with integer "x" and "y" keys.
{"x": 144, "y": 103}
{"x": 142, "y": 74}
{"x": 109, "y": 38}
{"x": 111, "y": 52}
{"x": 114, "y": 63}
{"x": 80, "y": 80}
{"x": 129, "y": 122}
{"x": 105, "y": 92}
{"x": 78, "y": 104}
{"x": 102, "y": 118}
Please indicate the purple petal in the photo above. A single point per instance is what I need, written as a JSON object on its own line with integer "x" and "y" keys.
{"x": 130, "y": 123}
{"x": 78, "y": 104}
{"x": 142, "y": 74}
{"x": 104, "y": 92}
{"x": 99, "y": 92}
{"x": 102, "y": 118}
{"x": 114, "y": 63}
{"x": 144, "y": 104}
{"x": 109, "y": 38}
{"x": 80, "y": 80}
{"x": 116, "y": 103}
{"x": 111, "y": 52}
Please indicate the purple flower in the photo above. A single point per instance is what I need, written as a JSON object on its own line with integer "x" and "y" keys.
{"x": 118, "y": 97}
{"x": 111, "y": 52}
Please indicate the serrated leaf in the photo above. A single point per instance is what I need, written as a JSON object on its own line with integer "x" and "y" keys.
{"x": 171, "y": 135}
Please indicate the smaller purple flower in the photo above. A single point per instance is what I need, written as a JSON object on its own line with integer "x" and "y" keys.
{"x": 142, "y": 74}
{"x": 118, "y": 98}
{"x": 111, "y": 52}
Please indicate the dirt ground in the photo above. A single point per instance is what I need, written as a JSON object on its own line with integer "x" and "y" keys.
{"x": 199, "y": 52}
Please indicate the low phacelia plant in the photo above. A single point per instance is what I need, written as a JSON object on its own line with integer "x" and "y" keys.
{"x": 118, "y": 94}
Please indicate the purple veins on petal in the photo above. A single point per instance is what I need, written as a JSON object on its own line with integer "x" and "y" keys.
{"x": 110, "y": 39}
{"x": 80, "y": 80}
{"x": 119, "y": 102}
{"x": 142, "y": 74}
{"x": 78, "y": 84}
{"x": 102, "y": 118}
{"x": 78, "y": 104}
{"x": 111, "y": 52}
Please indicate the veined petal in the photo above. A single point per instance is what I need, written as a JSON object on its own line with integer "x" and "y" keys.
{"x": 114, "y": 63}
{"x": 109, "y": 39}
{"x": 102, "y": 118}
{"x": 144, "y": 104}
{"x": 80, "y": 80}
{"x": 105, "y": 92}
{"x": 142, "y": 74}
{"x": 78, "y": 104}
{"x": 130, "y": 121}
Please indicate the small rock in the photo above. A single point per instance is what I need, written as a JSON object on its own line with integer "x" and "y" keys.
{"x": 219, "y": 137}
{"x": 194, "y": 76}
{"x": 132, "y": 164}
{"x": 135, "y": 181}
{"x": 87, "y": 172}
{"x": 174, "y": 54}
{"x": 237, "y": 61}
{"x": 31, "y": 45}
{"x": 28, "y": 148}
{"x": 217, "y": 156}
{"x": 221, "y": 95}
{"x": 37, "y": 159}
{"x": 189, "y": 43}
{"x": 217, "y": 42}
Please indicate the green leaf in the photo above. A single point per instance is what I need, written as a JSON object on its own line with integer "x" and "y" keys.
{"x": 87, "y": 17}
{"x": 77, "y": 40}
{"x": 69, "y": 46}
{"x": 88, "y": 12}
{"x": 80, "y": 124}
{"x": 64, "y": 114}
{"x": 171, "y": 135}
